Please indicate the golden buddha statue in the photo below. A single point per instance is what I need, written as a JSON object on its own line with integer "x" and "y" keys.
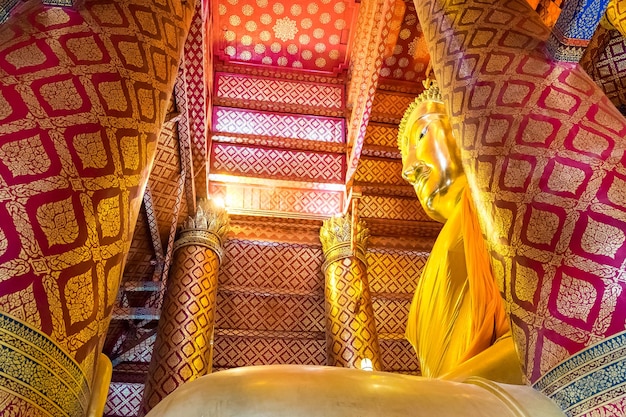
{"x": 457, "y": 311}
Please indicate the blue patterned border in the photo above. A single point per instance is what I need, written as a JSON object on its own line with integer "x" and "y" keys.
{"x": 34, "y": 368}
{"x": 579, "y": 18}
{"x": 589, "y": 378}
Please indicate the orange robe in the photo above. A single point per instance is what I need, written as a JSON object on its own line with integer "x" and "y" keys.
{"x": 457, "y": 311}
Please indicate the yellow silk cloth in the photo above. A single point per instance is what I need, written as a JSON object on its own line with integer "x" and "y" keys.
{"x": 457, "y": 311}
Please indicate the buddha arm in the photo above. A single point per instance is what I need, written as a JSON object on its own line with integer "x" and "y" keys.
{"x": 543, "y": 150}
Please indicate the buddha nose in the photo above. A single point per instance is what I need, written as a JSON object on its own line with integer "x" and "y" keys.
{"x": 411, "y": 173}
{"x": 409, "y": 167}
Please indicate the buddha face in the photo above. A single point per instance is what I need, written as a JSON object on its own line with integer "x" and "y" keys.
{"x": 431, "y": 160}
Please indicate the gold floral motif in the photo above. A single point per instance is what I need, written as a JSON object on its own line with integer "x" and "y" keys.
{"x": 525, "y": 288}
{"x": 602, "y": 239}
{"x": 107, "y": 14}
{"x": 13, "y": 406}
{"x": 37, "y": 370}
{"x": 146, "y": 22}
{"x": 109, "y": 216}
{"x": 576, "y": 298}
{"x": 5, "y": 108}
{"x": 129, "y": 147}
{"x": 90, "y": 150}
{"x": 551, "y": 353}
{"x": 25, "y": 157}
{"x": 79, "y": 297}
{"x": 52, "y": 16}
{"x": 58, "y": 222}
{"x": 85, "y": 49}
{"x": 336, "y": 238}
{"x": 208, "y": 227}
{"x": 22, "y": 305}
{"x": 113, "y": 95}
{"x": 542, "y": 226}
{"x": 27, "y": 56}
{"x": 113, "y": 281}
{"x": 160, "y": 65}
{"x": 566, "y": 178}
{"x": 285, "y": 29}
{"x": 146, "y": 103}
{"x": 516, "y": 173}
{"x": 61, "y": 95}
{"x": 617, "y": 192}
{"x": 131, "y": 53}
{"x": 4, "y": 244}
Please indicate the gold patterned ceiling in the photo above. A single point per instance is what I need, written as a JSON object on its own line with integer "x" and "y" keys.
{"x": 312, "y": 36}
{"x": 309, "y": 35}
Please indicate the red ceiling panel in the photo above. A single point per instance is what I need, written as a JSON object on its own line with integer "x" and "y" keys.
{"x": 305, "y": 34}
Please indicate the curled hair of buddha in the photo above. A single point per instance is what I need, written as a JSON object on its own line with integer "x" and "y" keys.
{"x": 431, "y": 93}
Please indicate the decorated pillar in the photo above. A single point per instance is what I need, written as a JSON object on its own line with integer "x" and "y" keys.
{"x": 574, "y": 28}
{"x": 543, "y": 150}
{"x": 182, "y": 350}
{"x": 351, "y": 337}
{"x": 83, "y": 94}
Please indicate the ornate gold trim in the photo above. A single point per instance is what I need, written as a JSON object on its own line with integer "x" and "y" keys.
{"x": 589, "y": 378}
{"x": 201, "y": 237}
{"x": 336, "y": 237}
{"x": 207, "y": 228}
{"x": 342, "y": 251}
{"x": 35, "y": 369}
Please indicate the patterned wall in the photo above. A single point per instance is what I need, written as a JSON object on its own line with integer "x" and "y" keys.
{"x": 274, "y": 313}
{"x": 277, "y": 163}
{"x": 383, "y": 135}
{"x": 237, "y": 90}
{"x": 394, "y": 208}
{"x": 389, "y": 107}
{"x": 263, "y": 199}
{"x": 317, "y": 128}
{"x": 393, "y": 276}
{"x": 124, "y": 399}
{"x": 380, "y": 171}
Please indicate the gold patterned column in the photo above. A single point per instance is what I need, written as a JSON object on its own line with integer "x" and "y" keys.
{"x": 182, "y": 350}
{"x": 83, "y": 95}
{"x": 350, "y": 325}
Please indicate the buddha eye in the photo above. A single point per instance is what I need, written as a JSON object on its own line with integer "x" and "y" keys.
{"x": 424, "y": 131}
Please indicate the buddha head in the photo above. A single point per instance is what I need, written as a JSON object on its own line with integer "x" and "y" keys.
{"x": 431, "y": 160}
